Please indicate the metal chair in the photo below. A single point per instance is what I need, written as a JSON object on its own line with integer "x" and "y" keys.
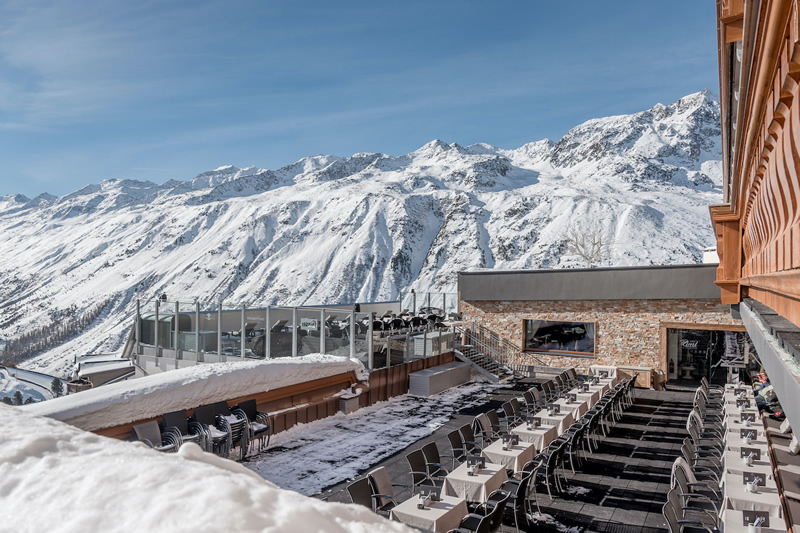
{"x": 150, "y": 434}
{"x": 457, "y": 444}
{"x": 433, "y": 461}
{"x": 419, "y": 471}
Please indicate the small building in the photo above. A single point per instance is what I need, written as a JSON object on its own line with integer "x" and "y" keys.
{"x": 659, "y": 317}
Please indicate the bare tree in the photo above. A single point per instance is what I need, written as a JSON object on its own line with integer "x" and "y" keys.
{"x": 588, "y": 242}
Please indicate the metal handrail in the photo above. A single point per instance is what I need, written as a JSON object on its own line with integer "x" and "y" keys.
{"x": 495, "y": 347}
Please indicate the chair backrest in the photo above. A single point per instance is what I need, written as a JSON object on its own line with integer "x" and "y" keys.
{"x": 571, "y": 374}
{"x": 521, "y": 492}
{"x": 416, "y": 461}
{"x": 508, "y": 410}
{"x": 361, "y": 493}
{"x": 499, "y": 497}
{"x": 485, "y": 426}
{"x": 472, "y": 522}
{"x": 250, "y": 409}
{"x": 381, "y": 483}
{"x": 431, "y": 453}
{"x": 207, "y": 414}
{"x": 457, "y": 443}
{"x": 494, "y": 420}
{"x": 177, "y": 419}
{"x": 468, "y": 435}
{"x": 148, "y": 431}
{"x": 537, "y": 396}
{"x": 671, "y": 517}
{"x": 516, "y": 407}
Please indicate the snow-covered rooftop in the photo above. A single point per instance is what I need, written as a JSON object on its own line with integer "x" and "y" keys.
{"x": 186, "y": 388}
{"x": 55, "y": 477}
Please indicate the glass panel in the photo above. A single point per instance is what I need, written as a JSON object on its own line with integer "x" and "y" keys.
{"x": 147, "y": 311}
{"x": 362, "y": 344}
{"x": 337, "y": 332}
{"x": 309, "y": 331}
{"x": 567, "y": 337}
{"x": 231, "y": 326}
{"x": 208, "y": 329}
{"x": 166, "y": 313}
{"x": 255, "y": 321}
{"x": 187, "y": 339}
{"x": 280, "y": 332}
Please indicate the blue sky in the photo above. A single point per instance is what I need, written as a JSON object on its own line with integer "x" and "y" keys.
{"x": 93, "y": 90}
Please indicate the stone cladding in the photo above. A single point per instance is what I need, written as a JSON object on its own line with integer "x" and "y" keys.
{"x": 627, "y": 332}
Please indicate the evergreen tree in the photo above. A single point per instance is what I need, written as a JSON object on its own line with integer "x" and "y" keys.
{"x": 7, "y": 400}
{"x": 57, "y": 387}
{"x": 17, "y": 398}
{"x": 30, "y": 399}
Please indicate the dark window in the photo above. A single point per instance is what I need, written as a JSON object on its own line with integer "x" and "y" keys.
{"x": 559, "y": 337}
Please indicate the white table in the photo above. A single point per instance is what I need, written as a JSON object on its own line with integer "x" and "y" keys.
{"x": 474, "y": 488}
{"x": 734, "y": 441}
{"x": 540, "y": 437}
{"x": 594, "y": 370}
{"x": 738, "y": 499}
{"x": 578, "y": 409}
{"x": 561, "y": 420}
{"x": 591, "y": 397}
{"x": 514, "y": 457}
{"x": 733, "y": 522}
{"x": 441, "y": 516}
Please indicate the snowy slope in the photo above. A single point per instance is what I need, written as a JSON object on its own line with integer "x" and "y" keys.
{"x": 331, "y": 229}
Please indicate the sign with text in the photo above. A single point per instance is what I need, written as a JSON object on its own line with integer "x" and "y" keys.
{"x": 747, "y": 477}
{"x": 750, "y": 417}
{"x": 750, "y": 517}
{"x": 745, "y": 432}
{"x": 745, "y": 452}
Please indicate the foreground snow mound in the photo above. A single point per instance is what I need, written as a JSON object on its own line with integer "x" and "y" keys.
{"x": 54, "y": 477}
{"x": 186, "y": 388}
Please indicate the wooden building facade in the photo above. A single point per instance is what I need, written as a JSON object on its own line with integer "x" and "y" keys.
{"x": 758, "y": 225}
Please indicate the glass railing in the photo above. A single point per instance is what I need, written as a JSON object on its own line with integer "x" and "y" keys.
{"x": 380, "y": 337}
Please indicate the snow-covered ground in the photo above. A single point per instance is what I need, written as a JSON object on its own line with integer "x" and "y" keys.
{"x": 186, "y": 388}
{"x": 310, "y": 457}
{"x": 9, "y": 384}
{"x": 335, "y": 230}
{"x": 57, "y": 478}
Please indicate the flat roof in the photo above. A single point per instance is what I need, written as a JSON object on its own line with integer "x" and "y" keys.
{"x": 665, "y": 282}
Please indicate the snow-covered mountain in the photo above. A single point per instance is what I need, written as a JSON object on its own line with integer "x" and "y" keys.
{"x": 330, "y": 229}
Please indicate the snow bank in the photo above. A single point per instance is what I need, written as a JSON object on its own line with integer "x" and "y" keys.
{"x": 54, "y": 477}
{"x": 186, "y": 388}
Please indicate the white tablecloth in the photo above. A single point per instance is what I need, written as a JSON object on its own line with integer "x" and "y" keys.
{"x": 576, "y": 408}
{"x": 591, "y": 397}
{"x": 561, "y": 420}
{"x": 594, "y": 370}
{"x": 514, "y": 458}
{"x": 738, "y": 499}
{"x": 733, "y": 522}
{"x": 441, "y": 516}
{"x": 540, "y": 437}
{"x": 474, "y": 488}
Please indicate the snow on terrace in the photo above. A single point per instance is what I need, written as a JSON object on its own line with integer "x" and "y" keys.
{"x": 186, "y": 388}
{"x": 55, "y": 477}
{"x": 310, "y": 457}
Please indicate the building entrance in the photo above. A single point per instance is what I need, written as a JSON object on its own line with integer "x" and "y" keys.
{"x": 698, "y": 353}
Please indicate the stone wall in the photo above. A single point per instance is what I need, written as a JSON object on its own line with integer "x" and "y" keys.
{"x": 628, "y": 332}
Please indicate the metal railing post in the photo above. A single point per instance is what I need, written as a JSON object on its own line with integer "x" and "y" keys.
{"x": 155, "y": 331}
{"x": 219, "y": 331}
{"x": 138, "y": 327}
{"x": 352, "y": 334}
{"x": 294, "y": 332}
{"x": 370, "y": 352}
{"x": 197, "y": 327}
{"x": 242, "y": 335}
{"x": 267, "y": 335}
{"x": 176, "y": 319}
{"x": 322, "y": 331}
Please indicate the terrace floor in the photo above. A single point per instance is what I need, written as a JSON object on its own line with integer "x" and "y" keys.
{"x": 620, "y": 488}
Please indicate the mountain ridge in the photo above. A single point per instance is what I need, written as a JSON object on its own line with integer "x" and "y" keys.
{"x": 330, "y": 229}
